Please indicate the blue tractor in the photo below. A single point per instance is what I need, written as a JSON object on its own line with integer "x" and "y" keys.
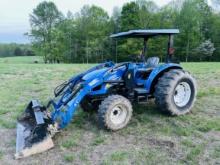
{"x": 109, "y": 89}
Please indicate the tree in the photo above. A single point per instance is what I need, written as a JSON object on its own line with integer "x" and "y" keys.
{"x": 148, "y": 14}
{"x": 151, "y": 17}
{"x": 64, "y": 41}
{"x": 115, "y": 20}
{"x": 43, "y": 20}
{"x": 115, "y": 28}
{"x": 205, "y": 49}
{"x": 215, "y": 33}
{"x": 141, "y": 14}
{"x": 18, "y": 52}
{"x": 129, "y": 20}
{"x": 130, "y": 17}
{"x": 205, "y": 12}
{"x": 92, "y": 29}
{"x": 29, "y": 52}
{"x": 188, "y": 21}
{"x": 83, "y": 37}
{"x": 13, "y": 49}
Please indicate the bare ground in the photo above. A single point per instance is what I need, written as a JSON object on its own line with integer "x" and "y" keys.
{"x": 131, "y": 146}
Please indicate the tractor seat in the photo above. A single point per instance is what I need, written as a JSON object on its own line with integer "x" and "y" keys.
{"x": 152, "y": 62}
{"x": 143, "y": 73}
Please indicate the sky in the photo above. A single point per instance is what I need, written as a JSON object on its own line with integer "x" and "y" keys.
{"x": 14, "y": 14}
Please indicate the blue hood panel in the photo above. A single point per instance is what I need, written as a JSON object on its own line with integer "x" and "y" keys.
{"x": 94, "y": 74}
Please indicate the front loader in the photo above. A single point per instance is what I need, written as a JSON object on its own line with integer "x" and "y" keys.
{"x": 109, "y": 89}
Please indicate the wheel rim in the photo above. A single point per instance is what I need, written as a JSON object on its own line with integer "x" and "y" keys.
{"x": 118, "y": 115}
{"x": 182, "y": 94}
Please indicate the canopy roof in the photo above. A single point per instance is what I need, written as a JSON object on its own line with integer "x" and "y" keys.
{"x": 145, "y": 33}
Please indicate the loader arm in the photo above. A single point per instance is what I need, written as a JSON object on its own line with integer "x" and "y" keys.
{"x": 37, "y": 125}
{"x": 64, "y": 112}
{"x": 72, "y": 95}
{"x": 79, "y": 87}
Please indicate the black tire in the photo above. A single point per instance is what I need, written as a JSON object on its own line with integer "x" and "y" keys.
{"x": 89, "y": 106}
{"x": 114, "y": 112}
{"x": 167, "y": 92}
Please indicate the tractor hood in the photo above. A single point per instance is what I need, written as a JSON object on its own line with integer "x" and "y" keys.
{"x": 94, "y": 74}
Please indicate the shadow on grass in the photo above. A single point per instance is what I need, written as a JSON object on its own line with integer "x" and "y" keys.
{"x": 148, "y": 109}
{"x": 141, "y": 114}
{"x": 89, "y": 121}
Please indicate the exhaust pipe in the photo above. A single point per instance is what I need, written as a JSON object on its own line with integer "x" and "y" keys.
{"x": 33, "y": 135}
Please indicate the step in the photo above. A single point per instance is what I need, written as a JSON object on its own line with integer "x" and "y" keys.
{"x": 142, "y": 99}
{"x": 140, "y": 91}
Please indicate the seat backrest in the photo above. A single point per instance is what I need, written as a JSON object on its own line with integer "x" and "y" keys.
{"x": 152, "y": 62}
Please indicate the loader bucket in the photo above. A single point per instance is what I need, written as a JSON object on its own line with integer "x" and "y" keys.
{"x": 32, "y": 132}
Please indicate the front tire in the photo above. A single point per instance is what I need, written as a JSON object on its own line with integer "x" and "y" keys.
{"x": 175, "y": 92}
{"x": 114, "y": 112}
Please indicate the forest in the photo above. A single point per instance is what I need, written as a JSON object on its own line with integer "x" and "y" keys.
{"x": 83, "y": 37}
{"x": 14, "y": 49}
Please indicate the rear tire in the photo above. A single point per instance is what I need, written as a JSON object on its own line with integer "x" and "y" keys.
{"x": 175, "y": 92}
{"x": 114, "y": 112}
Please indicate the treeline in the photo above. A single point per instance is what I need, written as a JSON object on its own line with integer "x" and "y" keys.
{"x": 83, "y": 37}
{"x": 9, "y": 50}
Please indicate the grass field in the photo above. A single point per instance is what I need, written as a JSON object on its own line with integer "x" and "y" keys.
{"x": 22, "y": 60}
{"x": 150, "y": 138}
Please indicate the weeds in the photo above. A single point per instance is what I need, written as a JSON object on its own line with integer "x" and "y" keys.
{"x": 119, "y": 156}
{"x": 69, "y": 157}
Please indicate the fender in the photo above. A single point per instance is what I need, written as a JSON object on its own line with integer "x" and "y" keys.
{"x": 157, "y": 72}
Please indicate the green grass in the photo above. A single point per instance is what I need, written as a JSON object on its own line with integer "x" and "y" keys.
{"x": 149, "y": 137}
{"x": 1, "y": 155}
{"x": 216, "y": 153}
{"x": 83, "y": 156}
{"x": 99, "y": 139}
{"x": 119, "y": 156}
{"x": 22, "y": 60}
{"x": 195, "y": 152}
{"x": 69, "y": 157}
{"x": 69, "y": 143}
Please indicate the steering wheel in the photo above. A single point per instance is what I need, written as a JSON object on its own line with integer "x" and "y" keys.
{"x": 137, "y": 58}
{"x": 133, "y": 57}
{"x": 120, "y": 65}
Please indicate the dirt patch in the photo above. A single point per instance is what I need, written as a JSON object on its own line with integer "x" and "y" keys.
{"x": 211, "y": 154}
{"x": 7, "y": 145}
{"x": 161, "y": 143}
